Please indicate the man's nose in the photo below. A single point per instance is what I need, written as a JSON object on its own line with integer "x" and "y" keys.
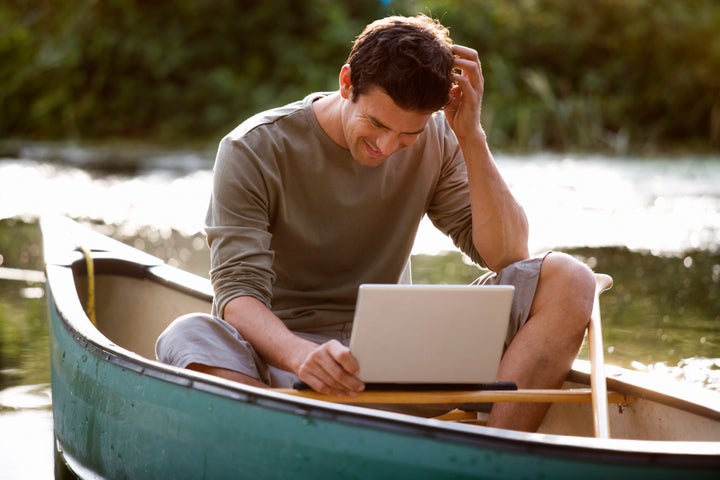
{"x": 388, "y": 143}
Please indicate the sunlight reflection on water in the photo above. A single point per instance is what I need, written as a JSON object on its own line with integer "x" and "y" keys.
{"x": 656, "y": 205}
{"x": 662, "y": 205}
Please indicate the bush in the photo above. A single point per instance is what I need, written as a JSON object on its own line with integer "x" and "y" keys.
{"x": 590, "y": 75}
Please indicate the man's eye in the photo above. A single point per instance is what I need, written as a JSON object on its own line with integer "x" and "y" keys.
{"x": 375, "y": 123}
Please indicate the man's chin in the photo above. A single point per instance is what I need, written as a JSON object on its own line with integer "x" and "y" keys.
{"x": 369, "y": 160}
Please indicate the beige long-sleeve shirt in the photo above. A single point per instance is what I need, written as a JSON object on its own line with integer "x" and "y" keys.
{"x": 295, "y": 222}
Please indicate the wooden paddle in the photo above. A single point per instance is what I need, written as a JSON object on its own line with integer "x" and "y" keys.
{"x": 598, "y": 382}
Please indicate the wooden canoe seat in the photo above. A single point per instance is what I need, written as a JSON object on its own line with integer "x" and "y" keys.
{"x": 459, "y": 397}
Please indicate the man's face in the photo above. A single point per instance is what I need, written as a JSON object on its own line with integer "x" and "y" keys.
{"x": 374, "y": 127}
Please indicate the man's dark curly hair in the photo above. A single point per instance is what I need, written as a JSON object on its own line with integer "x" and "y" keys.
{"x": 410, "y": 58}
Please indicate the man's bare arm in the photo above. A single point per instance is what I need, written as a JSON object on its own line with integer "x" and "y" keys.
{"x": 500, "y": 227}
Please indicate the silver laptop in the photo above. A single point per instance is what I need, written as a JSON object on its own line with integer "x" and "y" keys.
{"x": 430, "y": 335}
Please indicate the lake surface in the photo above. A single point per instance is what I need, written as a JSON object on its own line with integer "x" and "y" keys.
{"x": 652, "y": 223}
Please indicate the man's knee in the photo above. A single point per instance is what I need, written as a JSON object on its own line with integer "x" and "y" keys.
{"x": 565, "y": 268}
{"x": 179, "y": 330}
{"x": 183, "y": 323}
{"x": 563, "y": 273}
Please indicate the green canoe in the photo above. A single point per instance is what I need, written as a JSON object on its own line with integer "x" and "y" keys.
{"x": 118, "y": 413}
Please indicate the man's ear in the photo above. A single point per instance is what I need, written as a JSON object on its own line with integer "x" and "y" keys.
{"x": 344, "y": 80}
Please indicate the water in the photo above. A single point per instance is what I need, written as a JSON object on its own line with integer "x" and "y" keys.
{"x": 650, "y": 223}
{"x": 664, "y": 205}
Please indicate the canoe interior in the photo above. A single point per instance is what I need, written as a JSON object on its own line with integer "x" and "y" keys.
{"x": 133, "y": 309}
{"x": 132, "y": 312}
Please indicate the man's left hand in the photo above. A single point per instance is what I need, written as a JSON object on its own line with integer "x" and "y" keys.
{"x": 463, "y": 110}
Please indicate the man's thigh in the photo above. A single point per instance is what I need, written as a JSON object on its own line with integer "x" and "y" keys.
{"x": 523, "y": 275}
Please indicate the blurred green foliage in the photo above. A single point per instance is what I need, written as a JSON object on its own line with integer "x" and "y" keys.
{"x": 444, "y": 268}
{"x": 592, "y": 75}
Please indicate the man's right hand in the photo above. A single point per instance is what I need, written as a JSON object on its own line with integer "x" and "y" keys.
{"x": 328, "y": 368}
{"x": 331, "y": 369}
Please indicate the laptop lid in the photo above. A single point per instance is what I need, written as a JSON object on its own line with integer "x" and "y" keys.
{"x": 430, "y": 334}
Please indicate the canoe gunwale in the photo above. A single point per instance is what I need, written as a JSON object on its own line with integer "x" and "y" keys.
{"x": 633, "y": 384}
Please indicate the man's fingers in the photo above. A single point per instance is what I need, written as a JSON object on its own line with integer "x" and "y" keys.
{"x": 471, "y": 72}
{"x": 331, "y": 369}
{"x": 320, "y": 383}
{"x": 342, "y": 367}
{"x": 343, "y": 357}
{"x": 465, "y": 52}
{"x": 468, "y": 62}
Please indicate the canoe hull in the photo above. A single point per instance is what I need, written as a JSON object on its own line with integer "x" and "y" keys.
{"x": 118, "y": 414}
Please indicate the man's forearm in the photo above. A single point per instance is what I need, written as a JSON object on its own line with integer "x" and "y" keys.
{"x": 500, "y": 227}
{"x": 268, "y": 335}
{"x": 328, "y": 368}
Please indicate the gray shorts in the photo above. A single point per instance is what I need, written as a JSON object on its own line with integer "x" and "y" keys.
{"x": 209, "y": 340}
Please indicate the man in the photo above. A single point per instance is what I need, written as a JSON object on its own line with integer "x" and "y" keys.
{"x": 312, "y": 199}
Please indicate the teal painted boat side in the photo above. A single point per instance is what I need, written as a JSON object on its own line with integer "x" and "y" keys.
{"x": 118, "y": 416}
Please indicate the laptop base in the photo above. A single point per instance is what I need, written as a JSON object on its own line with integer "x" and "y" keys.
{"x": 409, "y": 387}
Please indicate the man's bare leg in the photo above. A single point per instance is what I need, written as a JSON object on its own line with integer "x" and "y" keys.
{"x": 227, "y": 374}
{"x": 542, "y": 352}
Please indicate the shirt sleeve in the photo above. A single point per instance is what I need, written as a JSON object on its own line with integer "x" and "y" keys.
{"x": 237, "y": 226}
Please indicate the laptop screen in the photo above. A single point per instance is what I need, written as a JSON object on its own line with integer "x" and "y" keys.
{"x": 430, "y": 334}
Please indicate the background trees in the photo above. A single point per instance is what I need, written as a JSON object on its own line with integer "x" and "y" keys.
{"x": 607, "y": 75}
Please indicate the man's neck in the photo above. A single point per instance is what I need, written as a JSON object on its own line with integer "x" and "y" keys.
{"x": 328, "y": 111}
